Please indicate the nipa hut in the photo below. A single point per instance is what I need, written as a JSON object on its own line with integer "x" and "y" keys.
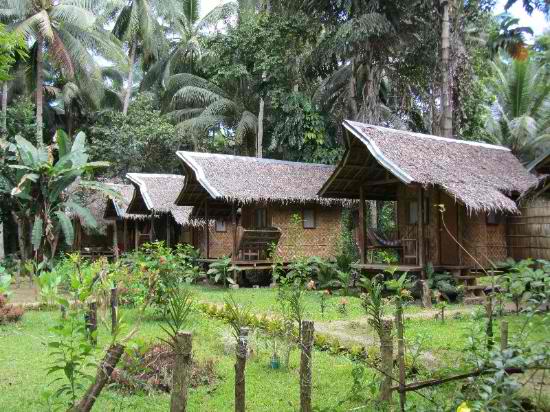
{"x": 475, "y": 183}
{"x": 153, "y": 198}
{"x": 252, "y": 201}
{"x": 529, "y": 232}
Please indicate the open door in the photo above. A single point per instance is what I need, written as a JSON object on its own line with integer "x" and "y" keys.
{"x": 448, "y": 248}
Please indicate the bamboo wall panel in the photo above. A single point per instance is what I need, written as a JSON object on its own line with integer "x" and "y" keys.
{"x": 486, "y": 243}
{"x": 529, "y": 233}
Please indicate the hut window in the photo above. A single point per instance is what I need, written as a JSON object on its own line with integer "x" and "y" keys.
{"x": 494, "y": 218}
{"x": 308, "y": 218}
{"x": 413, "y": 212}
{"x": 220, "y": 225}
{"x": 260, "y": 218}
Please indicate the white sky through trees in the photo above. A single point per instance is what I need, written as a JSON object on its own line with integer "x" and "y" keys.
{"x": 536, "y": 21}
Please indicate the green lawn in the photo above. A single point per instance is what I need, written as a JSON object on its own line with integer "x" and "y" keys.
{"x": 23, "y": 360}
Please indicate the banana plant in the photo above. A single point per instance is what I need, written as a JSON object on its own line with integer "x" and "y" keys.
{"x": 47, "y": 182}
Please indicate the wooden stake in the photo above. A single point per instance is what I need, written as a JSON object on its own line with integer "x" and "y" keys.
{"x": 305, "y": 366}
{"x": 426, "y": 294}
{"x": 503, "y": 335}
{"x": 400, "y": 354}
{"x": 114, "y": 310}
{"x": 386, "y": 355}
{"x": 240, "y": 365}
{"x": 182, "y": 372}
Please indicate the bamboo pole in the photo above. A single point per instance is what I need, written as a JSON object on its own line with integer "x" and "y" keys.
{"x": 386, "y": 355}
{"x": 400, "y": 354}
{"x": 182, "y": 372}
{"x": 114, "y": 310}
{"x": 305, "y": 366}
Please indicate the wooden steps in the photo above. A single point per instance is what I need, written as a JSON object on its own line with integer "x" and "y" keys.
{"x": 474, "y": 294}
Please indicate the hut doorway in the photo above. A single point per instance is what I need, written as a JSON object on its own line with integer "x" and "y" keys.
{"x": 449, "y": 248}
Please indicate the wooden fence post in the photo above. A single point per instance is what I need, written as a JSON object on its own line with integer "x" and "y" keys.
{"x": 240, "y": 365}
{"x": 401, "y": 354}
{"x": 91, "y": 321}
{"x": 386, "y": 356}
{"x": 182, "y": 372}
{"x": 305, "y": 366}
{"x": 114, "y": 310}
{"x": 503, "y": 335}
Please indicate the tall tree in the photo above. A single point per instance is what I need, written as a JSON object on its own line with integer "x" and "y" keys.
{"x": 64, "y": 31}
{"x": 446, "y": 101}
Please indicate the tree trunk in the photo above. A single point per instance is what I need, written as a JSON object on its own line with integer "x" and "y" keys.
{"x": 39, "y": 91}
{"x": 104, "y": 371}
{"x": 386, "y": 360}
{"x": 4, "y": 120}
{"x": 354, "y": 110}
{"x": 23, "y": 235}
{"x": 260, "y": 135}
{"x": 446, "y": 104}
{"x": 128, "y": 94}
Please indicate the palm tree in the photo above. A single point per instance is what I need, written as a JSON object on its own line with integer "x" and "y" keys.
{"x": 138, "y": 26}
{"x": 65, "y": 31}
{"x": 198, "y": 107}
{"x": 185, "y": 37}
{"x": 521, "y": 113}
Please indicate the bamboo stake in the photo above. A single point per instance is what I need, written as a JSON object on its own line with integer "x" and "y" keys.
{"x": 114, "y": 310}
{"x": 386, "y": 355}
{"x": 400, "y": 354}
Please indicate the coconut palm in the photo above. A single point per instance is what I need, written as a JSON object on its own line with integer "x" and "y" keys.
{"x": 184, "y": 35}
{"x": 137, "y": 24}
{"x": 520, "y": 116}
{"x": 64, "y": 31}
{"x": 198, "y": 107}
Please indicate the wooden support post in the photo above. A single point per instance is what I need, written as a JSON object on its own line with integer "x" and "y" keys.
{"x": 400, "y": 354}
{"x": 240, "y": 365}
{"x": 91, "y": 322}
{"x": 503, "y": 335}
{"x": 305, "y": 366}
{"x": 125, "y": 234}
{"x": 115, "y": 240}
{"x": 234, "y": 251}
{"x": 136, "y": 235}
{"x": 182, "y": 372}
{"x": 207, "y": 228}
{"x": 114, "y": 310}
{"x": 152, "y": 228}
{"x": 168, "y": 230}
{"x": 421, "y": 231}
{"x": 426, "y": 294}
{"x": 386, "y": 356}
{"x": 362, "y": 225}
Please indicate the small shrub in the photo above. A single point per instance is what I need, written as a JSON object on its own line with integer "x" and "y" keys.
{"x": 9, "y": 313}
{"x": 149, "y": 367}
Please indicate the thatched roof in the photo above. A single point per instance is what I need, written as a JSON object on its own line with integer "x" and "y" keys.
{"x": 248, "y": 179}
{"x": 118, "y": 207}
{"x": 157, "y": 193}
{"x": 483, "y": 177}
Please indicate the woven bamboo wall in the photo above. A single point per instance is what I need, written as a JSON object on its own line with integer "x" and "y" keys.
{"x": 529, "y": 233}
{"x": 321, "y": 241}
{"x": 487, "y": 243}
{"x": 221, "y": 243}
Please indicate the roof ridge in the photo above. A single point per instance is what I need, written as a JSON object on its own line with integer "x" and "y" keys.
{"x": 156, "y": 175}
{"x": 432, "y": 137}
{"x": 249, "y": 158}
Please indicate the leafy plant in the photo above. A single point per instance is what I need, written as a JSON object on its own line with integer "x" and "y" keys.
{"x": 48, "y": 283}
{"x": 72, "y": 354}
{"x": 179, "y": 307}
{"x": 5, "y": 282}
{"x": 220, "y": 271}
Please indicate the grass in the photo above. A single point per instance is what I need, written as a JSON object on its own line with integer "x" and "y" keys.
{"x": 24, "y": 358}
